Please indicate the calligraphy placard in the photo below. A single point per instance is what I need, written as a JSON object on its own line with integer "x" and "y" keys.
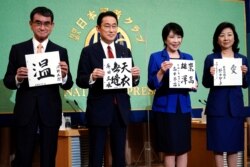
{"x": 182, "y": 74}
{"x": 228, "y": 72}
{"x": 117, "y": 73}
{"x": 43, "y": 69}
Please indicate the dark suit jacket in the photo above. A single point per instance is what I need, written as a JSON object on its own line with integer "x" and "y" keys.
{"x": 222, "y": 99}
{"x": 100, "y": 101}
{"x": 45, "y": 99}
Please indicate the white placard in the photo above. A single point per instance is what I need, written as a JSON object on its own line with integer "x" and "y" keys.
{"x": 182, "y": 74}
{"x": 117, "y": 73}
{"x": 228, "y": 72}
{"x": 43, "y": 68}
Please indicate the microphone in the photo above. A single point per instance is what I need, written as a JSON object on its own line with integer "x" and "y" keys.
{"x": 204, "y": 103}
{"x": 71, "y": 105}
{"x": 78, "y": 106}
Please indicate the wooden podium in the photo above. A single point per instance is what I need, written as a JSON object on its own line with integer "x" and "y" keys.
{"x": 71, "y": 148}
{"x": 197, "y": 157}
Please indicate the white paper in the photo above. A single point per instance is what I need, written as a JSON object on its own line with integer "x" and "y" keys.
{"x": 182, "y": 74}
{"x": 43, "y": 68}
{"x": 117, "y": 73}
{"x": 228, "y": 72}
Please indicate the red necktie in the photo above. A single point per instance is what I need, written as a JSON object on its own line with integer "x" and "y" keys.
{"x": 110, "y": 54}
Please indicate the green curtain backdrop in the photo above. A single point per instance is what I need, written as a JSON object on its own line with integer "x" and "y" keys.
{"x": 140, "y": 23}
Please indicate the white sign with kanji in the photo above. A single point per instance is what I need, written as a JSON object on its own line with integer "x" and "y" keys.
{"x": 182, "y": 74}
{"x": 43, "y": 68}
{"x": 228, "y": 72}
{"x": 117, "y": 73}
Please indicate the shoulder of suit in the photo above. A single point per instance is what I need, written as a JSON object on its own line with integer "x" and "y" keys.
{"x": 241, "y": 55}
{"x": 120, "y": 46}
{"x": 213, "y": 55}
{"x": 55, "y": 45}
{"x": 157, "y": 52}
{"x": 187, "y": 55}
{"x": 91, "y": 46}
{"x": 23, "y": 43}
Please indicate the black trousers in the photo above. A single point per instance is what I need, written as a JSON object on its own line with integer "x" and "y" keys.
{"x": 26, "y": 138}
{"x": 97, "y": 140}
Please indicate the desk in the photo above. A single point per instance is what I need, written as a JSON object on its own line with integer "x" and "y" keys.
{"x": 197, "y": 157}
{"x": 137, "y": 135}
{"x": 5, "y": 147}
{"x": 70, "y": 147}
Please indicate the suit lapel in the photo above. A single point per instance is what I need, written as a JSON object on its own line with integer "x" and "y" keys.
{"x": 119, "y": 52}
{"x": 29, "y": 47}
{"x": 165, "y": 56}
{"x": 49, "y": 47}
{"x": 100, "y": 50}
{"x": 97, "y": 54}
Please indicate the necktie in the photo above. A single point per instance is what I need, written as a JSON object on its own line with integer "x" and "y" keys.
{"x": 110, "y": 54}
{"x": 39, "y": 48}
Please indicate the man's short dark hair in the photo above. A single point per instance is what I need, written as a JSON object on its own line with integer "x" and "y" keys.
{"x": 42, "y": 11}
{"x": 104, "y": 14}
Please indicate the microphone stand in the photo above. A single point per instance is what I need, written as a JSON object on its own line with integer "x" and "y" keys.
{"x": 80, "y": 109}
{"x": 67, "y": 101}
{"x": 203, "y": 116}
{"x": 76, "y": 125}
{"x": 147, "y": 150}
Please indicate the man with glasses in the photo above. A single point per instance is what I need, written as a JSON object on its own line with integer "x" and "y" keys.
{"x": 36, "y": 108}
{"x": 107, "y": 110}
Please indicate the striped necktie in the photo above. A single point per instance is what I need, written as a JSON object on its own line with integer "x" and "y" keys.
{"x": 39, "y": 48}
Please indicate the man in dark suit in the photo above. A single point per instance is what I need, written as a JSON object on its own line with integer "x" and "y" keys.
{"x": 106, "y": 109}
{"x": 36, "y": 108}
